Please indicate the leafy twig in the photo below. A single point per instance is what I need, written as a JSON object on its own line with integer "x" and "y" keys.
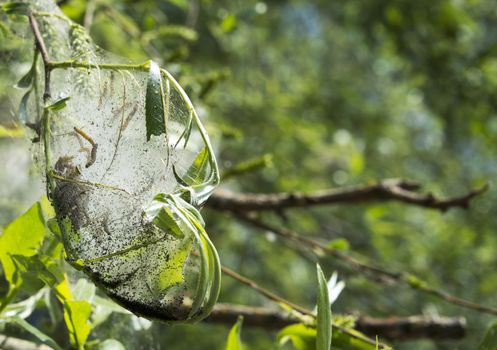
{"x": 369, "y": 270}
{"x": 276, "y": 298}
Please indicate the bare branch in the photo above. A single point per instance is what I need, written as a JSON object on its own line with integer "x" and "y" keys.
{"x": 369, "y": 270}
{"x": 386, "y": 190}
{"x": 266, "y": 293}
{"x": 40, "y": 44}
{"x": 393, "y": 328}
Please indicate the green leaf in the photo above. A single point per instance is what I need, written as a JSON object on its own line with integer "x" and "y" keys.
{"x": 323, "y": 321}
{"x": 234, "y": 341}
{"x": 27, "y": 80}
{"x": 58, "y": 105}
{"x": 21, "y": 237}
{"x": 166, "y": 222}
{"x": 196, "y": 173}
{"x": 155, "y": 106}
{"x": 301, "y": 336}
{"x": 42, "y": 337}
{"x": 37, "y": 271}
{"x": 76, "y": 316}
{"x": 489, "y": 341}
{"x": 18, "y": 8}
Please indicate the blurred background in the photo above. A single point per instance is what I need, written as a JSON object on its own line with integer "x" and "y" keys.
{"x": 308, "y": 95}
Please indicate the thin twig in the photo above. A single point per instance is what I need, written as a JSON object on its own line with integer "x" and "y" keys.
{"x": 366, "y": 269}
{"x": 386, "y": 190}
{"x": 276, "y": 298}
{"x": 268, "y": 294}
{"x": 44, "y": 54}
{"x": 394, "y": 328}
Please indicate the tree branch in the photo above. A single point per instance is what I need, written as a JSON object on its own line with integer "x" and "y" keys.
{"x": 386, "y": 190}
{"x": 393, "y": 328}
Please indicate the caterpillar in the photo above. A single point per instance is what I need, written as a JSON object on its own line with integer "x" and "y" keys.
{"x": 94, "y": 146}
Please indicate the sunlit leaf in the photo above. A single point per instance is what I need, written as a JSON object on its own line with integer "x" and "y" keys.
{"x": 234, "y": 341}
{"x": 21, "y": 237}
{"x": 301, "y": 336}
{"x": 76, "y": 316}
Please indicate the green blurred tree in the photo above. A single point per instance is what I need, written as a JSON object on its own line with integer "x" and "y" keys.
{"x": 305, "y": 96}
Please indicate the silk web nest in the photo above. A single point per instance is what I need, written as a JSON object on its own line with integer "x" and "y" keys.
{"x": 128, "y": 164}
